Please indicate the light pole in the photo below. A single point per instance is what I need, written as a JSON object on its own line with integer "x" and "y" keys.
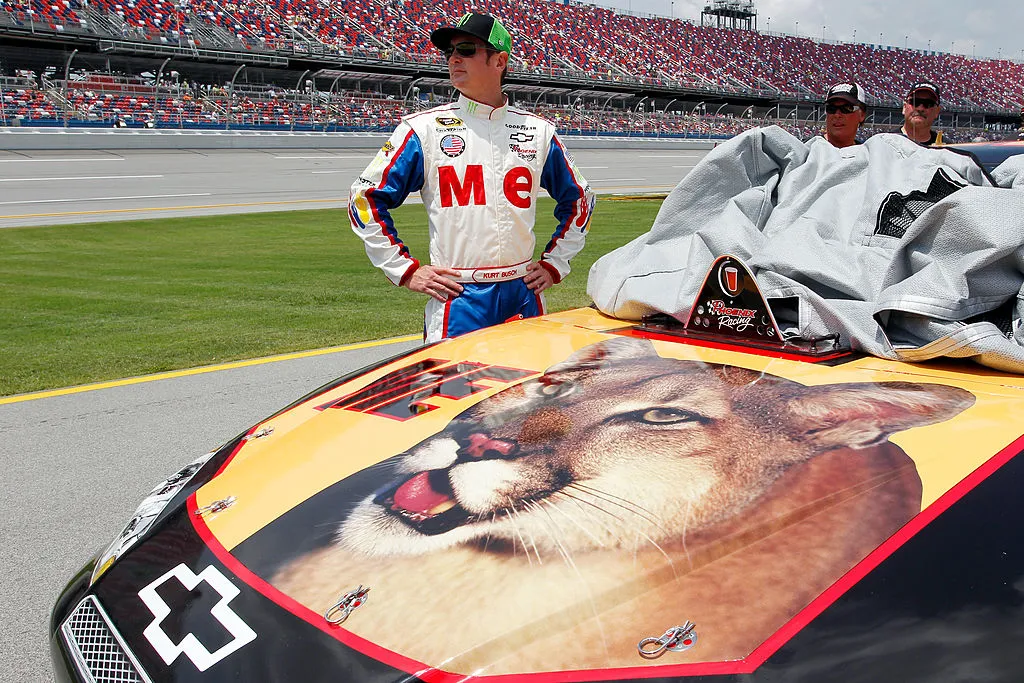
{"x": 67, "y": 71}
{"x": 231, "y": 97}
{"x": 823, "y": 34}
{"x": 298, "y": 86}
{"x": 414, "y": 93}
{"x": 156, "y": 90}
{"x": 330, "y": 98}
{"x": 311, "y": 84}
{"x": 769, "y": 25}
{"x": 798, "y": 28}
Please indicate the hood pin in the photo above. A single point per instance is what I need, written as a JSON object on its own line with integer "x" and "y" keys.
{"x": 344, "y": 607}
{"x": 260, "y": 433}
{"x": 677, "y": 639}
{"x": 216, "y": 506}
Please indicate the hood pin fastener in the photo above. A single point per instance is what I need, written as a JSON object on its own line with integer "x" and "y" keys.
{"x": 340, "y": 610}
{"x": 260, "y": 433}
{"x": 676, "y": 639}
{"x": 216, "y": 506}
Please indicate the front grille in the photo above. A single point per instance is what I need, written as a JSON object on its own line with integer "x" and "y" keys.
{"x": 99, "y": 653}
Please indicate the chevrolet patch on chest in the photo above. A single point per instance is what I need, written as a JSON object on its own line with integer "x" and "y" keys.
{"x": 453, "y": 145}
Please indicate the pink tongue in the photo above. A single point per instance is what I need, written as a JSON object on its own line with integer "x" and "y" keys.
{"x": 417, "y": 495}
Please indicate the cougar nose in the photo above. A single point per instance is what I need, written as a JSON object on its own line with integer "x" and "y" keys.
{"x": 484, "y": 446}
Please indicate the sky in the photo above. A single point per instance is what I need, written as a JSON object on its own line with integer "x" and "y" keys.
{"x": 989, "y": 28}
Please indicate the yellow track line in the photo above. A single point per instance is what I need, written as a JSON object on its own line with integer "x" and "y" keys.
{"x": 343, "y": 202}
{"x": 202, "y": 370}
{"x": 172, "y": 208}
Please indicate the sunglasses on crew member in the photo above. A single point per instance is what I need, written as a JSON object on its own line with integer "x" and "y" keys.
{"x": 927, "y": 104}
{"x": 466, "y": 49}
{"x": 844, "y": 108}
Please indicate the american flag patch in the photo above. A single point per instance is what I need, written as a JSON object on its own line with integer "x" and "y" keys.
{"x": 453, "y": 145}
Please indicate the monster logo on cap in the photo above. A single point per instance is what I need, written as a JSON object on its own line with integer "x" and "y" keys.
{"x": 482, "y": 26}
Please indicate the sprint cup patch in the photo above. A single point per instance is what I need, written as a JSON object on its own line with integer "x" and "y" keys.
{"x": 453, "y": 145}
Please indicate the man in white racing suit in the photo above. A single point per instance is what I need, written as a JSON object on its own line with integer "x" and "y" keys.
{"x": 478, "y": 164}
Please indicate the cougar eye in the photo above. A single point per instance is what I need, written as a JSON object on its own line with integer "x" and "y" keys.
{"x": 669, "y": 416}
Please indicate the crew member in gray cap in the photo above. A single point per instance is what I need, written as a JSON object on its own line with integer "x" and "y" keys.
{"x": 920, "y": 109}
{"x": 845, "y": 110}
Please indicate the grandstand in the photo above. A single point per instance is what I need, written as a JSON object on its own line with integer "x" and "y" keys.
{"x": 360, "y": 64}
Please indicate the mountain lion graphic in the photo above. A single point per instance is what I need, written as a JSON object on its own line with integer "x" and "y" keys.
{"x": 558, "y": 522}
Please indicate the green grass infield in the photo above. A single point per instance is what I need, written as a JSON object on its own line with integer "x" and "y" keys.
{"x": 91, "y": 302}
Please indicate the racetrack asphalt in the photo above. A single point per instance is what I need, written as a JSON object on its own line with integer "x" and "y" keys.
{"x": 78, "y": 463}
{"x": 76, "y": 466}
{"x": 58, "y": 187}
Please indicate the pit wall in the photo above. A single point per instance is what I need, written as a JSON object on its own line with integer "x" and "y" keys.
{"x": 14, "y": 139}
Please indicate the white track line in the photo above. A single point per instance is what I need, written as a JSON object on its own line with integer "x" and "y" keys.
{"x": 327, "y": 156}
{"x": 42, "y": 161}
{"x": 107, "y": 199}
{"x": 94, "y": 177}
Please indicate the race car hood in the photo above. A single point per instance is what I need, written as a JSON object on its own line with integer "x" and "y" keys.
{"x": 487, "y": 507}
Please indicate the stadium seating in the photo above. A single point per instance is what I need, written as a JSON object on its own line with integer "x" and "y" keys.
{"x": 25, "y": 103}
{"x": 102, "y": 99}
{"x": 584, "y": 40}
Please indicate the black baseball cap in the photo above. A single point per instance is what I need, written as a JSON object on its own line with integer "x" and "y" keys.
{"x": 851, "y": 92}
{"x": 482, "y": 26}
{"x": 924, "y": 85}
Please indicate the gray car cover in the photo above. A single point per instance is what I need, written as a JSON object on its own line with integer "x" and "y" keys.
{"x": 908, "y": 252}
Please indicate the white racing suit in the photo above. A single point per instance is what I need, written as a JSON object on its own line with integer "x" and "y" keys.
{"x": 479, "y": 170}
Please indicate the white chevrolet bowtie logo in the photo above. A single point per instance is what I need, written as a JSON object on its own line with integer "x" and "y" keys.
{"x": 190, "y": 645}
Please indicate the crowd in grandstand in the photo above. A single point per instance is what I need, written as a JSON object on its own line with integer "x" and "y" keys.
{"x": 103, "y": 99}
{"x": 576, "y": 38}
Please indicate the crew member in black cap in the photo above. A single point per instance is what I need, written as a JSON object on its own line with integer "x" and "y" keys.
{"x": 845, "y": 110}
{"x": 478, "y": 164}
{"x": 920, "y": 109}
